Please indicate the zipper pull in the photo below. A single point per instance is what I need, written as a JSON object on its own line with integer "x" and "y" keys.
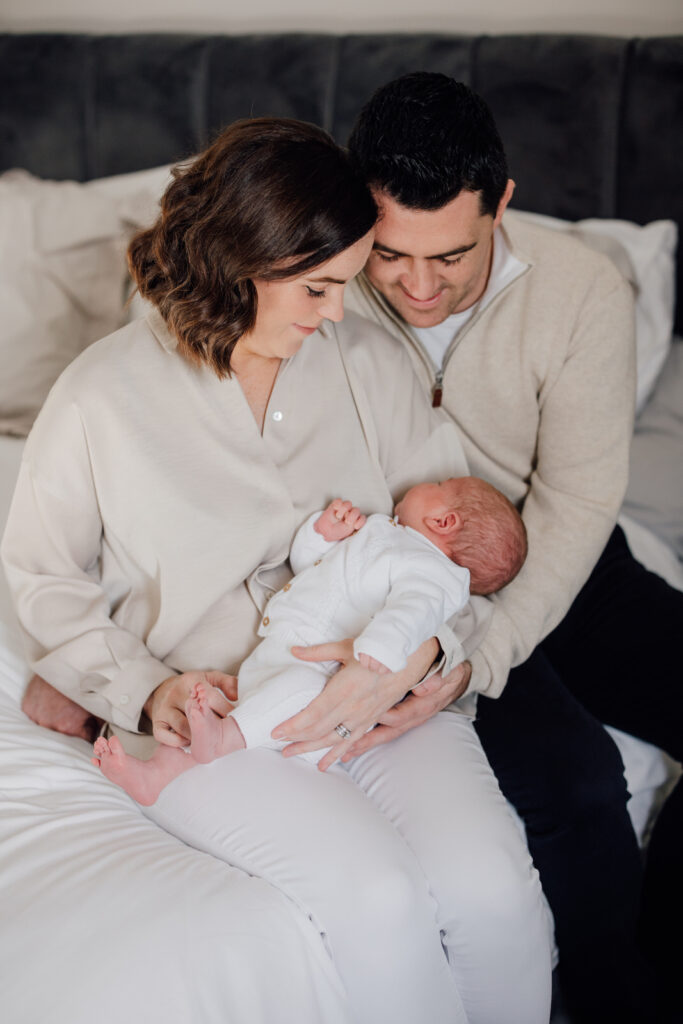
{"x": 437, "y": 390}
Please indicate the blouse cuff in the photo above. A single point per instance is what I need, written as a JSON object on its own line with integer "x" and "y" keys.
{"x": 129, "y": 689}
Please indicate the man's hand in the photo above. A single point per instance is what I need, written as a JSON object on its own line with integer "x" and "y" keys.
{"x": 354, "y": 697}
{"x": 165, "y": 707}
{"x": 48, "y": 707}
{"x": 427, "y": 698}
{"x": 339, "y": 520}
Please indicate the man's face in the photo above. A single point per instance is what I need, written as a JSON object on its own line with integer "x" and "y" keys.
{"x": 431, "y": 263}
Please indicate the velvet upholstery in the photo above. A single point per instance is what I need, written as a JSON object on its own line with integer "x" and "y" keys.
{"x": 284, "y": 76}
{"x": 366, "y": 62}
{"x": 147, "y": 101}
{"x": 593, "y": 125}
{"x": 560, "y": 140}
{"x": 650, "y": 184}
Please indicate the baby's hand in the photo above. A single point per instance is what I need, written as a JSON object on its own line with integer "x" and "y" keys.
{"x": 339, "y": 520}
{"x": 372, "y": 663}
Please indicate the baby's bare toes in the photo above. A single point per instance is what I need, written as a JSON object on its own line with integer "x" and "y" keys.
{"x": 116, "y": 747}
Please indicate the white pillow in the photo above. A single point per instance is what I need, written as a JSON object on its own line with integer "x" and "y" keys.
{"x": 646, "y": 257}
{"x": 655, "y": 489}
{"x": 63, "y": 277}
{"x": 137, "y": 195}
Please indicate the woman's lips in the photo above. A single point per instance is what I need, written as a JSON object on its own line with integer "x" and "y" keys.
{"x": 306, "y": 330}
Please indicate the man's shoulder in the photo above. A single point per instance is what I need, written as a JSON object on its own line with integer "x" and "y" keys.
{"x": 560, "y": 249}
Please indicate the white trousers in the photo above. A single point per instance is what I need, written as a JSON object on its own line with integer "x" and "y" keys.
{"x": 407, "y": 861}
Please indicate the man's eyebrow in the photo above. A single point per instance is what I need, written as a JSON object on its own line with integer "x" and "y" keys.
{"x": 439, "y": 256}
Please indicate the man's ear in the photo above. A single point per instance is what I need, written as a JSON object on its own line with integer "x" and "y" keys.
{"x": 504, "y": 200}
{"x": 449, "y": 522}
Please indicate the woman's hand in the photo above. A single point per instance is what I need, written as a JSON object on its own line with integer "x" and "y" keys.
{"x": 48, "y": 707}
{"x": 427, "y": 698}
{"x": 354, "y": 697}
{"x": 374, "y": 665}
{"x": 165, "y": 707}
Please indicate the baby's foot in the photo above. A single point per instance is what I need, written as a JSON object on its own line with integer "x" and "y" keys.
{"x": 140, "y": 779}
{"x": 205, "y": 726}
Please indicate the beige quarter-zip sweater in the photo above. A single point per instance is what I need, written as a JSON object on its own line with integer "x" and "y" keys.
{"x": 540, "y": 384}
{"x": 152, "y": 519}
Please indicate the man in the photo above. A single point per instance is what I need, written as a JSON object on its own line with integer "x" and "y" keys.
{"x": 526, "y": 340}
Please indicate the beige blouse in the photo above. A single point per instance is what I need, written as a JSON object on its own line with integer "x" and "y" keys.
{"x": 152, "y": 519}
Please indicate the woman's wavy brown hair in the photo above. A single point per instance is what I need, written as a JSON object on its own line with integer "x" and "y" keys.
{"x": 271, "y": 198}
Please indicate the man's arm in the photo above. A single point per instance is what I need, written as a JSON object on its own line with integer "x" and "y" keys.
{"x": 576, "y": 487}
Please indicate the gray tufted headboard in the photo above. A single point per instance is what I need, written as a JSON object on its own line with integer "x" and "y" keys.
{"x": 593, "y": 125}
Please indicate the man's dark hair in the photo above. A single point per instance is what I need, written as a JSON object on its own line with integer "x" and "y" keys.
{"x": 423, "y": 138}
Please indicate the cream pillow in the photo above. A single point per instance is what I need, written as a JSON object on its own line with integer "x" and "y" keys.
{"x": 655, "y": 490}
{"x": 646, "y": 257}
{"x": 63, "y": 276}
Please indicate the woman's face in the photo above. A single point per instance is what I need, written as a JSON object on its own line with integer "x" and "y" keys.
{"x": 290, "y": 310}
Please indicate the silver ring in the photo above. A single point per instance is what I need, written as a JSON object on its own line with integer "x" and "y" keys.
{"x": 342, "y": 731}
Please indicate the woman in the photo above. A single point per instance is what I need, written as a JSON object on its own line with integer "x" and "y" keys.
{"x": 158, "y": 497}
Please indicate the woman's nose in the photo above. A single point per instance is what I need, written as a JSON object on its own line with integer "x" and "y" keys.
{"x": 333, "y": 307}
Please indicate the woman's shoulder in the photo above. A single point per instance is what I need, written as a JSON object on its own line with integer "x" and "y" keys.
{"x": 108, "y": 366}
{"x": 112, "y": 354}
{"x": 101, "y": 377}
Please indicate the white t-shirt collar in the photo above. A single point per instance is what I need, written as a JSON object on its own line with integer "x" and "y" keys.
{"x": 504, "y": 268}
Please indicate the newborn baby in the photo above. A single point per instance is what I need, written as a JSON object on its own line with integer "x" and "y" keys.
{"x": 390, "y": 582}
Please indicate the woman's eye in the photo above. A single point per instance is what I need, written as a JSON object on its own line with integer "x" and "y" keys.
{"x": 314, "y": 294}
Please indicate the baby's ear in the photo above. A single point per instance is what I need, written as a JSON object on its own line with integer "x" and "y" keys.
{"x": 448, "y": 523}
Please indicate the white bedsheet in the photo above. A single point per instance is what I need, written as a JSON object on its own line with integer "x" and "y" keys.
{"x": 105, "y": 917}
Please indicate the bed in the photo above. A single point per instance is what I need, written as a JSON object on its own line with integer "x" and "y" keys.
{"x": 104, "y": 915}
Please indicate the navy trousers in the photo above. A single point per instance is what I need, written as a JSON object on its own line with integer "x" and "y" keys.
{"x": 616, "y": 659}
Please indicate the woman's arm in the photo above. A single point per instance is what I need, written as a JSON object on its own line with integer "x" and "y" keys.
{"x": 52, "y": 710}
{"x": 51, "y": 551}
{"x": 165, "y": 707}
{"x": 359, "y": 698}
{"x": 411, "y": 443}
{"x": 432, "y": 695}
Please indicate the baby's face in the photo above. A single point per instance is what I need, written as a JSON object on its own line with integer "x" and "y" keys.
{"x": 425, "y": 501}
